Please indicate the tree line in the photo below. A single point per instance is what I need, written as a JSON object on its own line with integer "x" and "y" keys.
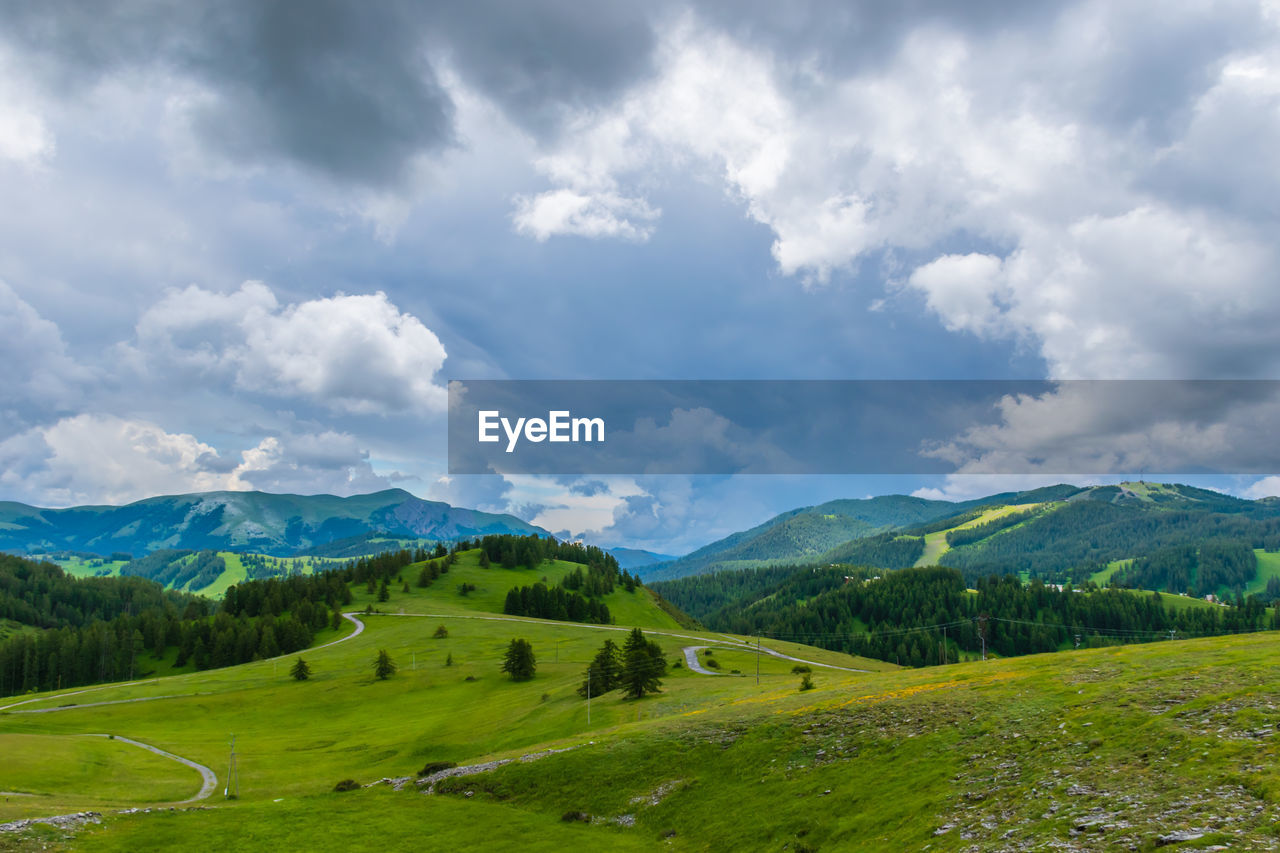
{"x": 42, "y": 595}
{"x": 918, "y": 617}
{"x": 113, "y": 629}
{"x": 1195, "y": 570}
{"x": 543, "y": 602}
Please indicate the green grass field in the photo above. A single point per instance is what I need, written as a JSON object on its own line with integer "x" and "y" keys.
{"x": 1127, "y": 742}
{"x": 1103, "y": 576}
{"x": 78, "y": 772}
{"x": 1268, "y": 568}
{"x": 88, "y": 568}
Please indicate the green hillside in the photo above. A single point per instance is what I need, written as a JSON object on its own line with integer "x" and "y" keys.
{"x": 807, "y": 534}
{"x": 235, "y": 568}
{"x": 1110, "y": 748}
{"x": 1060, "y": 534}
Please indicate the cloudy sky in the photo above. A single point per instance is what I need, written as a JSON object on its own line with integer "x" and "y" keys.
{"x": 245, "y": 244}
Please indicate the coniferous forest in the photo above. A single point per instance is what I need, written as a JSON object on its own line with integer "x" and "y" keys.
{"x": 918, "y": 617}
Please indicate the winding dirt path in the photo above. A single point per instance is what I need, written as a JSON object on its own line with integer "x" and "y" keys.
{"x": 691, "y": 660}
{"x": 209, "y": 777}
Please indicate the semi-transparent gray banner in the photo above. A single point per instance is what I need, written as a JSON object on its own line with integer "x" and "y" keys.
{"x": 864, "y": 427}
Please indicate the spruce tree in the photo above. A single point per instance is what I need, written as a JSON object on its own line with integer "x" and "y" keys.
{"x": 642, "y": 665}
{"x": 301, "y": 670}
{"x": 604, "y": 672}
{"x": 383, "y": 666}
{"x": 519, "y": 661}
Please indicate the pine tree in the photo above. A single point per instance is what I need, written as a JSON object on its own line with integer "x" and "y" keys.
{"x": 301, "y": 670}
{"x": 384, "y": 591}
{"x": 384, "y": 667}
{"x": 642, "y": 665}
{"x": 519, "y": 661}
{"x": 604, "y": 672}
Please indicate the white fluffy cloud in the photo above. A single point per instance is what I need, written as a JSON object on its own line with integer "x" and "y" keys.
{"x": 105, "y": 459}
{"x": 356, "y": 353}
{"x": 90, "y": 459}
{"x": 1122, "y": 225}
{"x": 39, "y": 376}
{"x": 1121, "y": 428}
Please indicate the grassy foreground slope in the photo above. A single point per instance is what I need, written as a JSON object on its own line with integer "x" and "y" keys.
{"x": 1117, "y": 747}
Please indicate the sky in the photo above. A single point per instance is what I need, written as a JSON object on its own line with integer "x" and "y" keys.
{"x": 245, "y": 245}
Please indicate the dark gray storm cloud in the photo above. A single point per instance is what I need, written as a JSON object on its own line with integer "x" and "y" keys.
{"x": 537, "y": 59}
{"x": 346, "y": 90}
{"x": 352, "y": 91}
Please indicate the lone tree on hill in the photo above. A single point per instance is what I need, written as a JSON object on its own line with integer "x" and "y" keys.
{"x": 642, "y": 665}
{"x": 301, "y": 670}
{"x": 519, "y": 661}
{"x": 384, "y": 667}
{"x": 604, "y": 672}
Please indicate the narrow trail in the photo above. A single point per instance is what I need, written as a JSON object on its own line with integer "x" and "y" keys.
{"x": 350, "y": 617}
{"x": 112, "y": 702}
{"x": 691, "y": 660}
{"x": 209, "y": 777}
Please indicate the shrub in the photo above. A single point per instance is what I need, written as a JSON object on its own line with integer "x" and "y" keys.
{"x": 346, "y": 785}
{"x": 712, "y": 662}
{"x": 800, "y": 669}
{"x": 441, "y": 633}
{"x": 572, "y": 816}
{"x": 806, "y": 682}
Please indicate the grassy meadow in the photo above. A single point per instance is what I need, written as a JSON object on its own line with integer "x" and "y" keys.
{"x": 1114, "y": 747}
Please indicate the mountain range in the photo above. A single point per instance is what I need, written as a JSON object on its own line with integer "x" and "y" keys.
{"x": 1042, "y": 528}
{"x": 279, "y": 525}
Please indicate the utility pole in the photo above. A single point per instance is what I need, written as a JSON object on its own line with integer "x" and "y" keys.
{"x": 757, "y": 660}
{"x": 588, "y": 697}
{"x": 232, "y": 790}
